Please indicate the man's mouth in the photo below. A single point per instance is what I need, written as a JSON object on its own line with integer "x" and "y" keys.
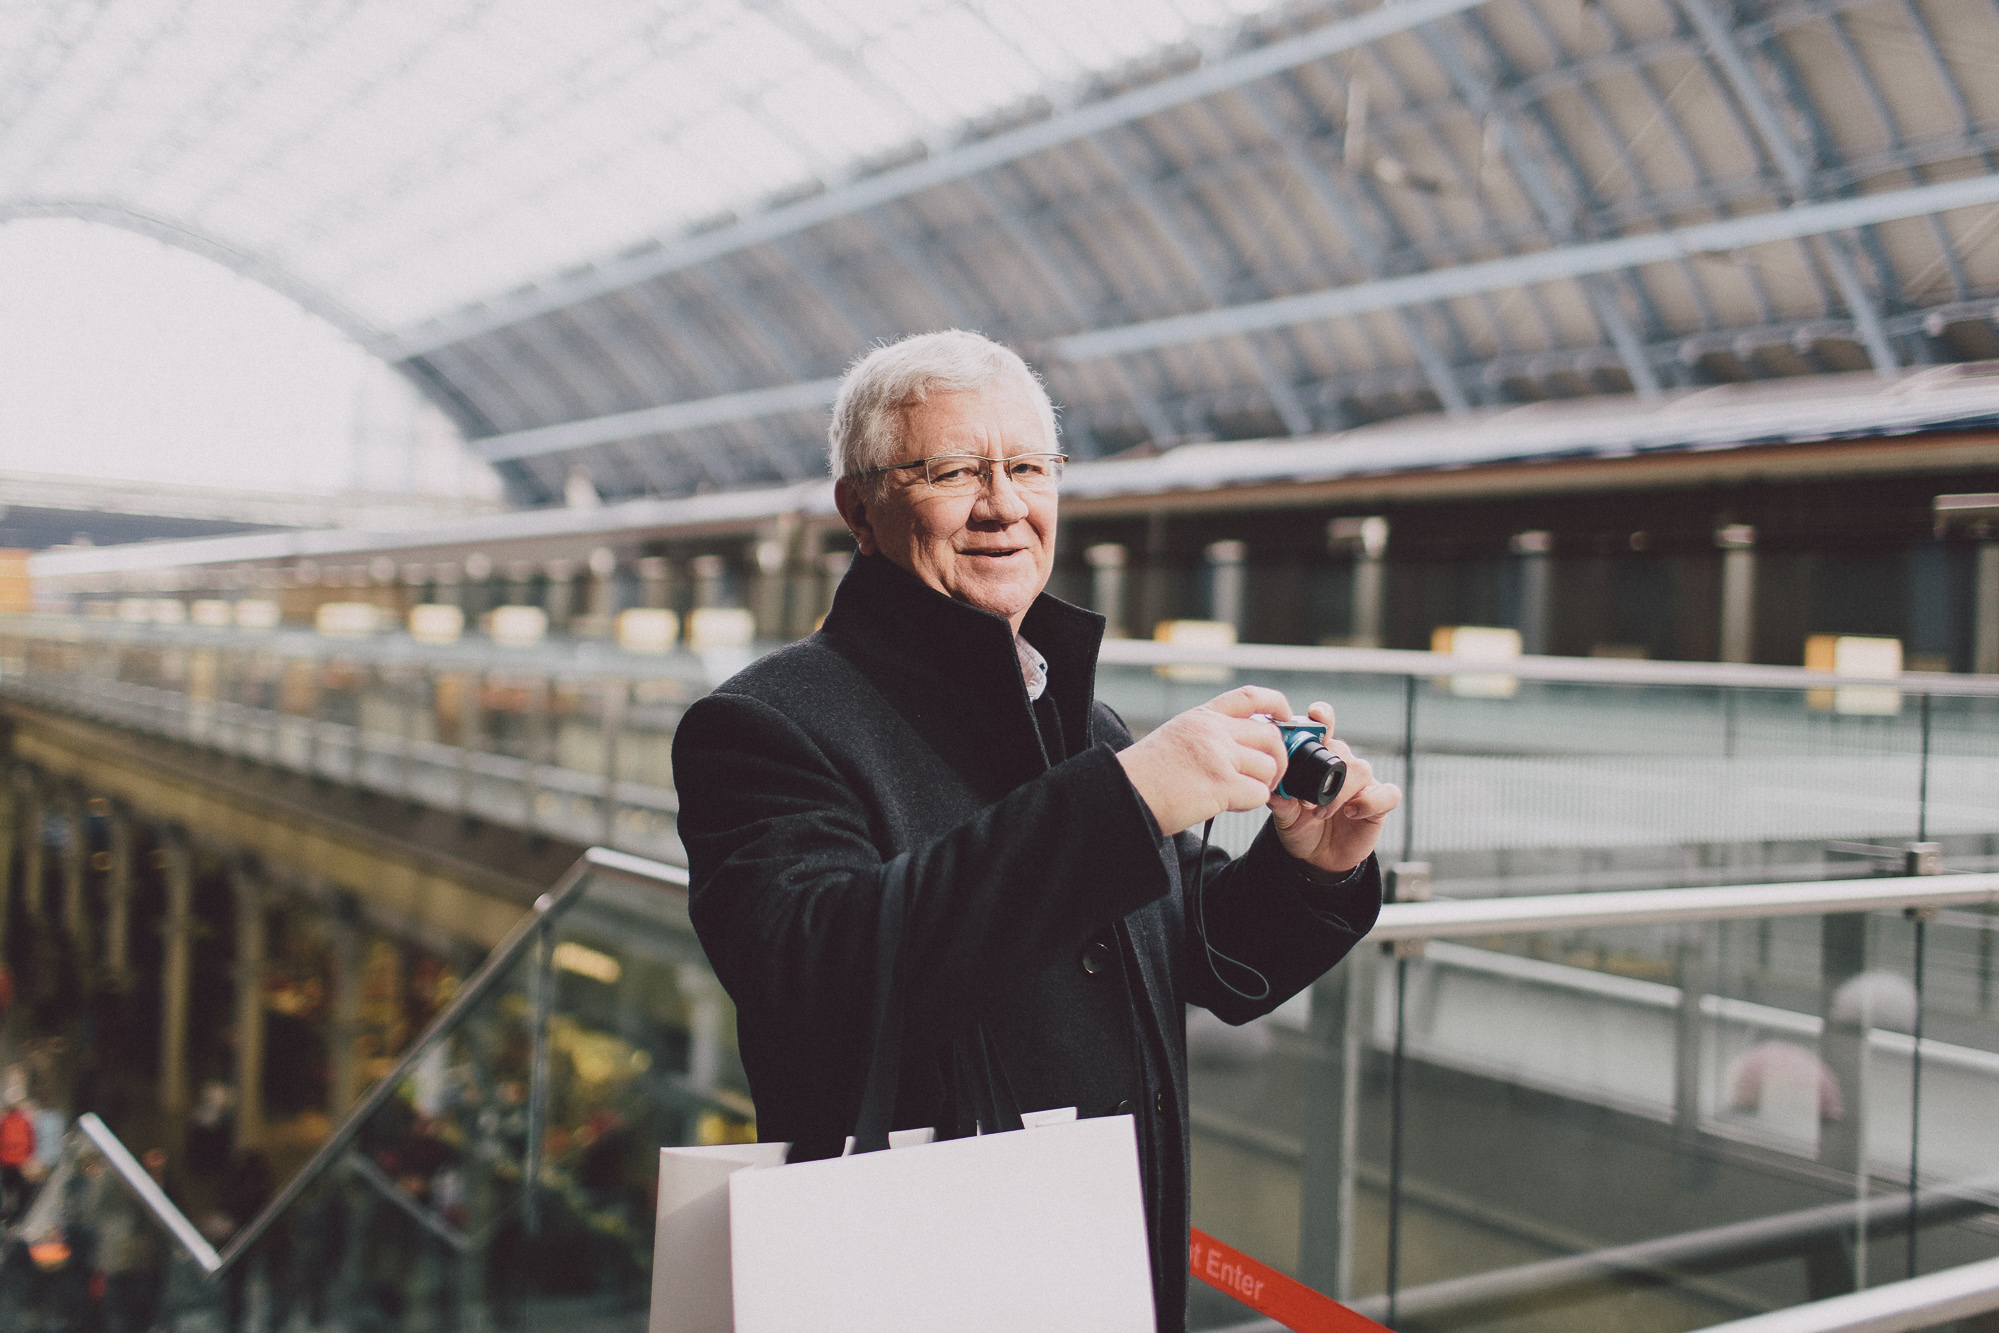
{"x": 1000, "y": 554}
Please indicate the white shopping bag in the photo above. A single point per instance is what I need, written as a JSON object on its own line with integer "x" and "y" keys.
{"x": 1040, "y": 1229}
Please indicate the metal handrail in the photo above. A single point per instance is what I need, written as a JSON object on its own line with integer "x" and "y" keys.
{"x": 1572, "y": 670}
{"x": 1899, "y": 1307}
{"x": 595, "y": 658}
{"x": 141, "y": 1183}
{"x": 505, "y": 954}
{"x": 1633, "y": 907}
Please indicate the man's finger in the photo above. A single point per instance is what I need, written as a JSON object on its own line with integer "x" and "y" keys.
{"x": 1250, "y": 700}
{"x": 1372, "y": 804}
{"x": 1322, "y": 712}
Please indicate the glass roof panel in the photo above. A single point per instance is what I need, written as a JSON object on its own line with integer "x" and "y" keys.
{"x": 407, "y": 156}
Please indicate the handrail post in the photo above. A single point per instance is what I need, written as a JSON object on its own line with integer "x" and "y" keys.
{"x": 541, "y": 1001}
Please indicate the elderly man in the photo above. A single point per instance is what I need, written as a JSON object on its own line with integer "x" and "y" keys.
{"x": 929, "y": 780}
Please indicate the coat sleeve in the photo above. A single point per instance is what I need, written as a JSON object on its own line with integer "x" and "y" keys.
{"x": 789, "y": 879}
{"x": 1265, "y": 921}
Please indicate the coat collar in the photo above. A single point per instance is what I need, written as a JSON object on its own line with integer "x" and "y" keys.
{"x": 884, "y": 613}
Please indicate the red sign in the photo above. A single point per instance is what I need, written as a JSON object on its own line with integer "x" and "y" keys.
{"x": 1270, "y": 1293}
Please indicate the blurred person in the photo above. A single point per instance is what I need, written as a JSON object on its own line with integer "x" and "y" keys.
{"x": 935, "y": 755}
{"x": 17, "y": 1154}
{"x": 131, "y": 1251}
{"x": 211, "y": 1127}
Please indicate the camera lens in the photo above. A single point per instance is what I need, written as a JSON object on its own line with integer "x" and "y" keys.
{"x": 1315, "y": 774}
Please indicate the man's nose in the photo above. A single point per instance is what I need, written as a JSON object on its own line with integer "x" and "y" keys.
{"x": 1000, "y": 498}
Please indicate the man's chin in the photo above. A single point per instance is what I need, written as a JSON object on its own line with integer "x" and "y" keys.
{"x": 1003, "y": 597}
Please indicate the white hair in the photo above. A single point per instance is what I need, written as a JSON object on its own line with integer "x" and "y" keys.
{"x": 867, "y": 415}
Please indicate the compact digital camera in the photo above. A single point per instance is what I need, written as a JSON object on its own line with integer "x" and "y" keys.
{"x": 1315, "y": 774}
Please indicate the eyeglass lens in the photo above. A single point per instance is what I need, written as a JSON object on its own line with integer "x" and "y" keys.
{"x": 956, "y": 474}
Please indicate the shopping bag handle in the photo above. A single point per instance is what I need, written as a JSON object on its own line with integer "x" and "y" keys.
{"x": 1269, "y": 1292}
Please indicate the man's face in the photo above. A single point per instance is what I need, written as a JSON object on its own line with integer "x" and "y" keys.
{"x": 992, "y": 549}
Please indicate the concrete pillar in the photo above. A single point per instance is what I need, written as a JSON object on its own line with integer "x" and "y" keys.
{"x": 802, "y": 583}
{"x": 344, "y": 1004}
{"x": 1155, "y": 588}
{"x": 11, "y": 786}
{"x": 252, "y": 945}
{"x": 655, "y": 583}
{"x": 118, "y": 902}
{"x": 600, "y": 608}
{"x": 1367, "y": 540}
{"x": 559, "y": 597}
{"x": 447, "y": 587}
{"x": 711, "y": 574}
{"x": 478, "y": 586}
{"x": 1228, "y": 599}
{"x": 770, "y": 556}
{"x": 75, "y": 861}
{"x": 520, "y": 583}
{"x": 1531, "y": 551}
{"x": 176, "y": 970}
{"x": 1107, "y": 586}
{"x": 1738, "y": 591}
{"x": 34, "y": 861}
{"x": 1985, "y": 608}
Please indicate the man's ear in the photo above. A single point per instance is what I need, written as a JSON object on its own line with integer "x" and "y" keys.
{"x": 854, "y": 512}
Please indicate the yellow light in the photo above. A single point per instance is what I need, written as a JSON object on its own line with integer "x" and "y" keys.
{"x": 587, "y": 962}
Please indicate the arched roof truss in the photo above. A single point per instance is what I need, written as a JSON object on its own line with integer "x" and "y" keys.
{"x": 1250, "y": 223}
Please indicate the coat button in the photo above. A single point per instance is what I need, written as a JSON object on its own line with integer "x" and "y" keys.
{"x": 1125, "y": 1107}
{"x": 1096, "y": 957}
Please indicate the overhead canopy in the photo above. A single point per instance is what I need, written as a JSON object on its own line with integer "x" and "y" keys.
{"x": 643, "y": 242}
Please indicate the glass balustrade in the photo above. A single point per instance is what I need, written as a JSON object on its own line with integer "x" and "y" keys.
{"x": 1645, "y": 1126}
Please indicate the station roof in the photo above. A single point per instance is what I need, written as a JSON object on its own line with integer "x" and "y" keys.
{"x": 643, "y": 241}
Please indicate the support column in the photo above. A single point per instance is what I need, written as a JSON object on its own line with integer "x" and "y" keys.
{"x": 35, "y": 864}
{"x": 176, "y": 970}
{"x": 1842, "y": 1046}
{"x": 1107, "y": 586}
{"x": 1531, "y": 551}
{"x": 558, "y": 598}
{"x": 118, "y": 902}
{"x": 655, "y": 583}
{"x": 1227, "y": 578}
{"x": 710, "y": 580}
{"x": 1985, "y": 608}
{"x": 11, "y": 784}
{"x": 600, "y": 612}
{"x": 344, "y": 1006}
{"x": 1332, "y": 1115}
{"x": 75, "y": 861}
{"x": 252, "y": 944}
{"x": 1367, "y": 539}
{"x": 1738, "y": 591}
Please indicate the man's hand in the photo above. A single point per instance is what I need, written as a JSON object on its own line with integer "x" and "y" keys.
{"x": 1335, "y": 838}
{"x": 1220, "y": 756}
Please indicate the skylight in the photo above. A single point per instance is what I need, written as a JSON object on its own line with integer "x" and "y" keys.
{"x": 408, "y": 156}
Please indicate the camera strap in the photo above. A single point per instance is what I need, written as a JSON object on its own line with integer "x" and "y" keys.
{"x": 1215, "y": 956}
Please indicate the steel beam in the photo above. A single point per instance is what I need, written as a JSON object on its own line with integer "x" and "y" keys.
{"x": 1728, "y": 53}
{"x": 1562, "y": 262}
{"x": 721, "y": 410}
{"x": 181, "y": 236}
{"x": 1382, "y": 294}
{"x": 967, "y": 160}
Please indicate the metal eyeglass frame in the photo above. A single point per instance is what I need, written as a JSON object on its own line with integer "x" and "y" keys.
{"x": 988, "y": 468}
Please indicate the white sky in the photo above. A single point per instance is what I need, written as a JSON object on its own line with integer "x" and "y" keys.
{"x": 122, "y": 357}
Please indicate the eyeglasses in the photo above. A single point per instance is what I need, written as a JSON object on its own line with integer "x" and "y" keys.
{"x": 968, "y": 474}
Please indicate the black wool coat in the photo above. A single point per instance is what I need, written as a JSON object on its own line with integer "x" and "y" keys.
{"x": 1044, "y": 930}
